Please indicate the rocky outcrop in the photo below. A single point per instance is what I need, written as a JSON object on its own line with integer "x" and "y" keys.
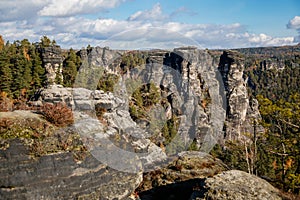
{"x": 197, "y": 88}
{"x": 237, "y": 185}
{"x": 58, "y": 176}
{"x": 188, "y": 80}
{"x": 242, "y": 113}
{"x": 195, "y": 175}
{"x": 53, "y": 63}
{"x": 107, "y": 132}
{"x": 185, "y": 166}
{"x": 41, "y": 161}
{"x": 191, "y": 84}
{"x": 102, "y": 57}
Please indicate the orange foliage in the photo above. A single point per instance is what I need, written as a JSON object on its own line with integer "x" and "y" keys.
{"x": 58, "y": 114}
{"x": 25, "y": 53}
{"x": 6, "y": 104}
{"x": 1, "y": 43}
{"x": 288, "y": 164}
{"x": 274, "y": 164}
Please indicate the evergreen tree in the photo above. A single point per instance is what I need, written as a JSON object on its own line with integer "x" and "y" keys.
{"x": 45, "y": 41}
{"x": 5, "y": 73}
{"x": 70, "y": 68}
{"x": 38, "y": 72}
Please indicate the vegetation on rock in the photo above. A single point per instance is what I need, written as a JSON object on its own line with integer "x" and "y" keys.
{"x": 40, "y": 136}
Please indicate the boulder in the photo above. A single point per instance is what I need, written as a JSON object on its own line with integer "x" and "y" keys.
{"x": 179, "y": 169}
{"x": 237, "y": 185}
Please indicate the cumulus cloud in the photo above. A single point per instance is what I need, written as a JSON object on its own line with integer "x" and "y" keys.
{"x": 11, "y": 10}
{"x": 31, "y": 9}
{"x": 73, "y": 7}
{"x": 154, "y": 14}
{"x": 295, "y": 24}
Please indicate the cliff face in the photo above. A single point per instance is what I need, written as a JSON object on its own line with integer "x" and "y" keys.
{"x": 242, "y": 113}
{"x": 198, "y": 91}
{"x": 189, "y": 80}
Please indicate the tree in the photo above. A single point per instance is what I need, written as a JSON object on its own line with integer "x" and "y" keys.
{"x": 5, "y": 73}
{"x": 45, "y": 41}
{"x": 70, "y": 68}
{"x": 280, "y": 148}
{"x": 21, "y": 74}
{"x": 38, "y": 72}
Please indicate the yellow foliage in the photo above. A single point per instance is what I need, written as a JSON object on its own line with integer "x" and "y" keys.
{"x": 1, "y": 43}
{"x": 288, "y": 164}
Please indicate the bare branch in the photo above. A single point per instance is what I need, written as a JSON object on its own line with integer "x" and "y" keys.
{"x": 289, "y": 123}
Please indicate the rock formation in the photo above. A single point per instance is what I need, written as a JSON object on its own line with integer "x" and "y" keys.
{"x": 237, "y": 185}
{"x": 198, "y": 176}
{"x": 53, "y": 63}
{"x": 56, "y": 175}
{"x": 187, "y": 77}
{"x": 242, "y": 112}
{"x": 185, "y": 166}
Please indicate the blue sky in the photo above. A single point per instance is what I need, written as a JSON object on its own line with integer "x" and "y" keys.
{"x": 136, "y": 24}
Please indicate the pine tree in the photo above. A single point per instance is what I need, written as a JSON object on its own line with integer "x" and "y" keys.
{"x": 38, "y": 72}
{"x": 70, "y": 69}
{"x": 5, "y": 73}
{"x": 45, "y": 41}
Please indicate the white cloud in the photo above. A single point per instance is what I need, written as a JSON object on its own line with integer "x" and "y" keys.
{"x": 295, "y": 24}
{"x": 182, "y": 11}
{"x": 74, "y": 7}
{"x": 31, "y": 9}
{"x": 155, "y": 14}
{"x": 144, "y": 29}
{"x": 20, "y": 10}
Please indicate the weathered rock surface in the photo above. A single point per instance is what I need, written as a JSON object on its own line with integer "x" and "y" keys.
{"x": 227, "y": 185}
{"x": 188, "y": 76}
{"x": 237, "y": 185}
{"x": 52, "y": 61}
{"x": 242, "y": 112}
{"x": 185, "y": 166}
{"x": 58, "y": 176}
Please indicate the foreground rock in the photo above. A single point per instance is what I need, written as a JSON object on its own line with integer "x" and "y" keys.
{"x": 198, "y": 176}
{"x": 177, "y": 179}
{"x": 58, "y": 176}
{"x": 41, "y": 161}
{"x": 237, "y": 185}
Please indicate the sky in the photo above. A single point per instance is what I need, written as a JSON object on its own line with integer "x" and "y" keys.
{"x": 151, "y": 24}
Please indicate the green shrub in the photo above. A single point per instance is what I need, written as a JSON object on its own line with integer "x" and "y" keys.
{"x": 142, "y": 100}
{"x": 107, "y": 82}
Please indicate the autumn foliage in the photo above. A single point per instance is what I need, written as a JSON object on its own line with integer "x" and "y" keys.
{"x": 58, "y": 114}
